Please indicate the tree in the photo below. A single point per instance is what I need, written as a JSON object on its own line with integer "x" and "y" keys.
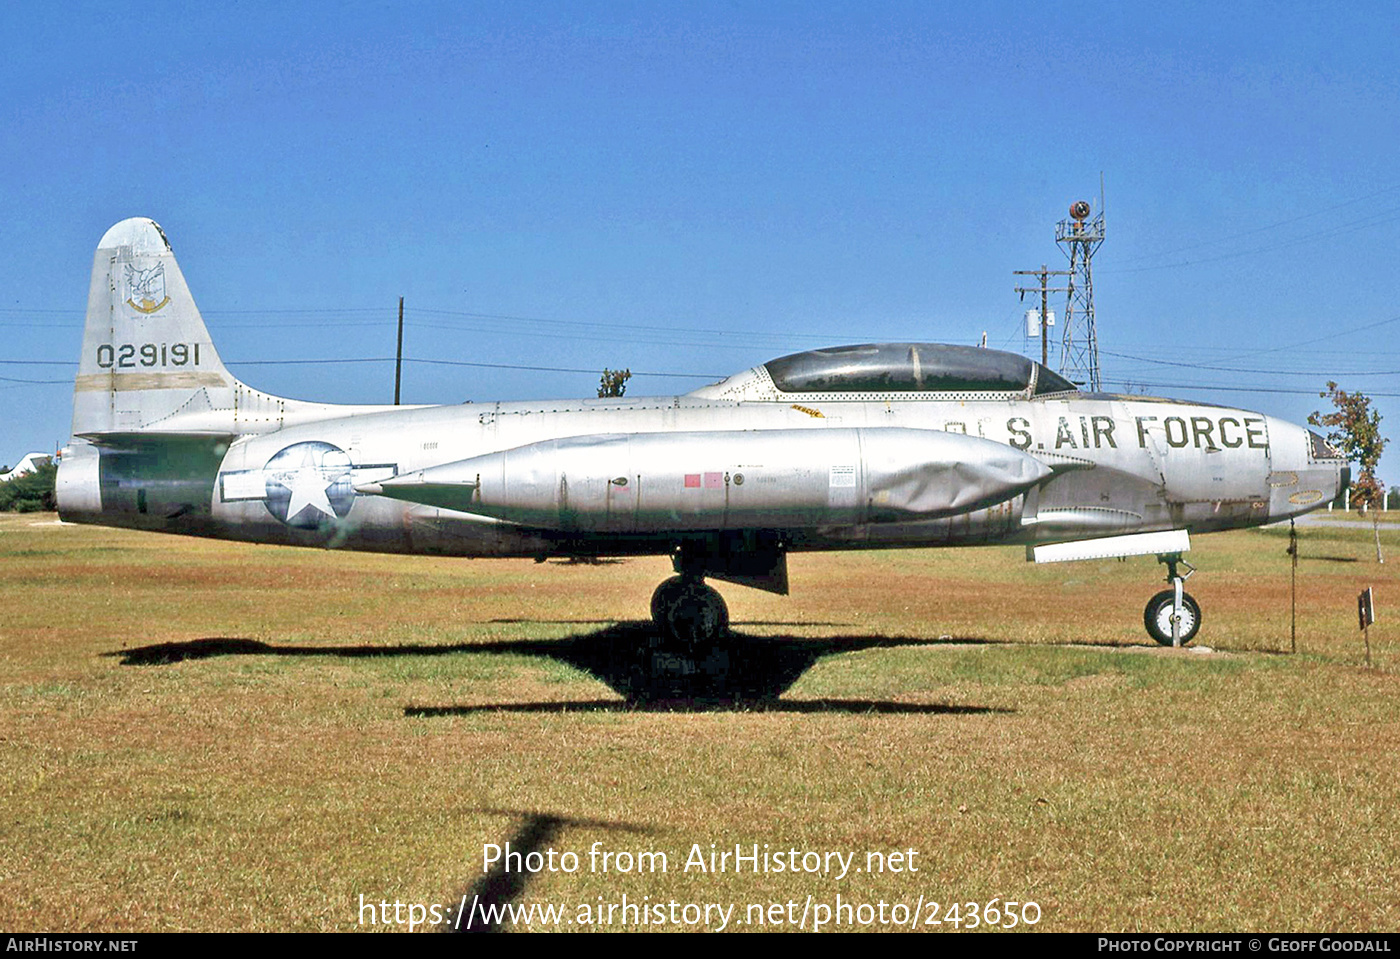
{"x": 1355, "y": 429}
{"x": 30, "y": 493}
{"x": 613, "y": 383}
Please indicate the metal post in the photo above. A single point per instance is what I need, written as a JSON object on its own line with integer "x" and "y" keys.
{"x": 1044, "y": 318}
{"x": 398, "y": 356}
{"x": 1366, "y": 613}
{"x": 1293, "y": 588}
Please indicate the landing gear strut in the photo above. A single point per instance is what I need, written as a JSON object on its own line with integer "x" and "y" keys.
{"x": 1173, "y": 616}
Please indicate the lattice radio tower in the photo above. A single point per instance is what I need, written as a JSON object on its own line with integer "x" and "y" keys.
{"x": 1079, "y": 237}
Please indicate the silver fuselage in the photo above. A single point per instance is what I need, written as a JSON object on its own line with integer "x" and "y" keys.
{"x": 879, "y": 445}
{"x": 1121, "y": 464}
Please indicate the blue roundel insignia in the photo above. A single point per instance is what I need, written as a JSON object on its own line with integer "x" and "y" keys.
{"x": 309, "y": 485}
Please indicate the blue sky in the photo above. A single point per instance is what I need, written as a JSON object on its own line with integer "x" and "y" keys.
{"x": 693, "y": 188}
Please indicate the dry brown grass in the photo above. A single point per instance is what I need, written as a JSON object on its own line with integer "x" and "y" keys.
{"x": 270, "y": 780}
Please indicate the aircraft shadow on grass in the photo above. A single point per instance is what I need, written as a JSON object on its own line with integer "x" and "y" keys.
{"x": 741, "y": 671}
{"x": 501, "y": 884}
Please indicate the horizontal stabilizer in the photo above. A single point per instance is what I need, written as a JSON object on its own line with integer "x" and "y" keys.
{"x": 127, "y": 440}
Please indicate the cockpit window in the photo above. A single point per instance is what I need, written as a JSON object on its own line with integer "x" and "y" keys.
{"x": 1048, "y": 382}
{"x": 910, "y": 367}
{"x": 1321, "y": 449}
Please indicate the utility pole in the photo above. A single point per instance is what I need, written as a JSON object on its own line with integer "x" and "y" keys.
{"x": 1045, "y": 292}
{"x": 398, "y": 356}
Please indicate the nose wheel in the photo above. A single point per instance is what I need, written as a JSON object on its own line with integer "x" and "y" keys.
{"x": 1160, "y": 610}
{"x": 1173, "y": 617}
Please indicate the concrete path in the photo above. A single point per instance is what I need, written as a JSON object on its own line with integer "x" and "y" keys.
{"x": 1317, "y": 519}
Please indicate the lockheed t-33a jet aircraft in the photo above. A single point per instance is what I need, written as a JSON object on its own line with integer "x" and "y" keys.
{"x": 859, "y": 447}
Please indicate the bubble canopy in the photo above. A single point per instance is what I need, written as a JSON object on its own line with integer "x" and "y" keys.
{"x": 913, "y": 368}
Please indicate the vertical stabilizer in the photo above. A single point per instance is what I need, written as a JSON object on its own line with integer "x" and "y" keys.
{"x": 154, "y": 408}
{"x": 148, "y": 362}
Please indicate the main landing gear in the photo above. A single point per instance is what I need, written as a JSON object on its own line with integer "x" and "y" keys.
{"x": 688, "y": 613}
{"x": 690, "y": 654}
{"x": 1173, "y": 616}
{"x": 687, "y": 658}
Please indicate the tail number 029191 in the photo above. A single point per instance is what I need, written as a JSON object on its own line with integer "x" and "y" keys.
{"x": 129, "y": 356}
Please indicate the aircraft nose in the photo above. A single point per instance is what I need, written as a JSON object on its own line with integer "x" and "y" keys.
{"x": 1307, "y": 473}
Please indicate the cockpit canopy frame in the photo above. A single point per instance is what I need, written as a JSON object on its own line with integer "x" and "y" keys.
{"x": 913, "y": 368}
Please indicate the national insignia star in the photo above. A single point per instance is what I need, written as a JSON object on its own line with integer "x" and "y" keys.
{"x": 308, "y": 486}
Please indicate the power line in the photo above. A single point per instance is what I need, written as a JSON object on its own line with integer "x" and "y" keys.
{"x": 1373, "y": 219}
{"x": 1231, "y": 389}
{"x": 1333, "y": 336}
{"x": 331, "y": 361}
{"x": 489, "y": 366}
{"x": 11, "y": 379}
{"x": 1325, "y": 211}
{"x": 1238, "y": 369}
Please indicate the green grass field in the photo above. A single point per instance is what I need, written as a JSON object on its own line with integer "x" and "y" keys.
{"x": 207, "y": 736}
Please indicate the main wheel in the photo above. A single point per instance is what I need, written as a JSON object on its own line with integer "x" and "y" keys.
{"x": 665, "y": 596}
{"x": 1158, "y": 617}
{"x": 688, "y": 612}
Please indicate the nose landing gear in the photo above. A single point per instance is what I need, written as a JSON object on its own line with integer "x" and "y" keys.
{"x": 1173, "y": 616}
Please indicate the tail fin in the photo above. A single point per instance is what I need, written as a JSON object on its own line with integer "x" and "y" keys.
{"x": 154, "y": 408}
{"x": 148, "y": 362}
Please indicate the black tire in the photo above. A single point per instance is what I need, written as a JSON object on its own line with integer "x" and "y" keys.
{"x": 688, "y": 613}
{"x": 665, "y": 597}
{"x": 1158, "y": 617}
